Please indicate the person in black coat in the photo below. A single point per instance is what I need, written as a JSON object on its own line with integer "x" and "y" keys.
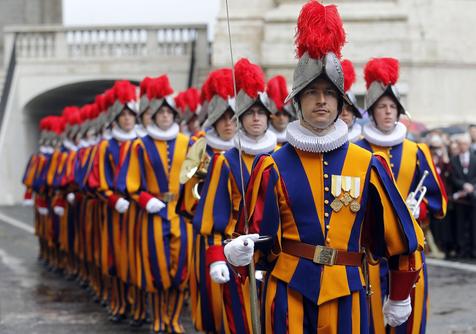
{"x": 463, "y": 178}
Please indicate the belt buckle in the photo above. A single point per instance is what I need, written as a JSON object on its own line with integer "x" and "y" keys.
{"x": 324, "y": 255}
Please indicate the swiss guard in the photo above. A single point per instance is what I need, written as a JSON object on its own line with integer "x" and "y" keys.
{"x": 150, "y": 176}
{"x": 350, "y": 113}
{"x": 321, "y": 202}
{"x": 217, "y": 211}
{"x": 206, "y": 297}
{"x": 412, "y": 167}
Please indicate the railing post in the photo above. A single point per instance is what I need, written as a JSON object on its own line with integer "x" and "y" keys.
{"x": 8, "y": 39}
{"x": 151, "y": 42}
{"x": 60, "y": 45}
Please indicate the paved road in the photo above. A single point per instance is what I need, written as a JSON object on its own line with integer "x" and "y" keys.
{"x": 33, "y": 300}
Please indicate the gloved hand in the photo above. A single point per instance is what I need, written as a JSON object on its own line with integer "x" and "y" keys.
{"x": 28, "y": 202}
{"x": 396, "y": 312}
{"x": 154, "y": 205}
{"x": 121, "y": 205}
{"x": 43, "y": 211}
{"x": 70, "y": 198}
{"x": 58, "y": 210}
{"x": 239, "y": 254}
{"x": 413, "y": 207}
{"x": 219, "y": 272}
{"x": 259, "y": 275}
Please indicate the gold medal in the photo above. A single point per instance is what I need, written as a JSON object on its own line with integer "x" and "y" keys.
{"x": 354, "y": 206}
{"x": 346, "y": 199}
{"x": 336, "y": 205}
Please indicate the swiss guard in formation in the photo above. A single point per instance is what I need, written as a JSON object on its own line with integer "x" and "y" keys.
{"x": 416, "y": 177}
{"x": 324, "y": 202}
{"x": 267, "y": 210}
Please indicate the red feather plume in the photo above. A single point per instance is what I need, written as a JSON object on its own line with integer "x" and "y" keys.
{"x": 125, "y": 91}
{"x": 221, "y": 83}
{"x": 180, "y": 102}
{"x": 319, "y": 30}
{"x": 249, "y": 78}
{"x": 144, "y": 84}
{"x": 384, "y": 70}
{"x": 349, "y": 74}
{"x": 110, "y": 97}
{"x": 192, "y": 98}
{"x": 277, "y": 90}
{"x": 159, "y": 88}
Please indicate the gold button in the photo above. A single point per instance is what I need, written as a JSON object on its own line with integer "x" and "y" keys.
{"x": 391, "y": 156}
{"x": 326, "y": 176}
{"x": 391, "y": 165}
{"x": 326, "y": 201}
{"x": 326, "y": 214}
{"x": 328, "y": 240}
{"x": 328, "y": 227}
{"x": 326, "y": 163}
{"x": 326, "y": 188}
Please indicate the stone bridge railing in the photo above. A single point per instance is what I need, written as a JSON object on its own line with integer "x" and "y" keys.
{"x": 45, "y": 42}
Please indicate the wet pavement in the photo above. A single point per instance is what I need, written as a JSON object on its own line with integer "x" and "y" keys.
{"x": 34, "y": 300}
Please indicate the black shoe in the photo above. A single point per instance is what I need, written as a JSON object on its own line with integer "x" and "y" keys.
{"x": 136, "y": 323}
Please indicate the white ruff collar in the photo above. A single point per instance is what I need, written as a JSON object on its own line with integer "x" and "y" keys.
{"x": 141, "y": 131}
{"x": 216, "y": 142}
{"x": 46, "y": 149}
{"x": 158, "y": 134}
{"x": 305, "y": 140}
{"x": 355, "y": 132}
{"x": 107, "y": 134}
{"x": 280, "y": 136}
{"x": 69, "y": 145}
{"x": 83, "y": 143}
{"x": 120, "y": 135}
{"x": 265, "y": 144}
{"x": 377, "y": 137}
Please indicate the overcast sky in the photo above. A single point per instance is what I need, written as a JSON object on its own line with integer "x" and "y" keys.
{"x": 97, "y": 12}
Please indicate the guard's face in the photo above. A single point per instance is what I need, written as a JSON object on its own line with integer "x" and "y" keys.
{"x": 226, "y": 126}
{"x": 385, "y": 113}
{"x": 255, "y": 121}
{"x": 126, "y": 120}
{"x": 193, "y": 124}
{"x": 164, "y": 118}
{"x": 280, "y": 121}
{"x": 347, "y": 115}
{"x": 146, "y": 117}
{"x": 319, "y": 103}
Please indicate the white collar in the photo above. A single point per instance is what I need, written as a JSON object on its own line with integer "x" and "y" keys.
{"x": 305, "y": 140}
{"x": 93, "y": 141}
{"x": 355, "y": 131}
{"x": 121, "y": 135}
{"x": 377, "y": 137}
{"x": 106, "y": 134}
{"x": 280, "y": 135}
{"x": 265, "y": 144}
{"x": 158, "y": 134}
{"x": 69, "y": 145}
{"x": 141, "y": 130}
{"x": 46, "y": 149}
{"x": 216, "y": 142}
{"x": 83, "y": 143}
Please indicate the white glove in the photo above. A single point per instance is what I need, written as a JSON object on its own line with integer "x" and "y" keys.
{"x": 43, "y": 211}
{"x": 413, "y": 207}
{"x": 219, "y": 272}
{"x": 121, "y": 205}
{"x": 70, "y": 198}
{"x": 154, "y": 205}
{"x": 239, "y": 254}
{"x": 28, "y": 202}
{"x": 396, "y": 312}
{"x": 259, "y": 275}
{"x": 58, "y": 210}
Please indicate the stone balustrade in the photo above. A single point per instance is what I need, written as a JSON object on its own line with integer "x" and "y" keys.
{"x": 46, "y": 42}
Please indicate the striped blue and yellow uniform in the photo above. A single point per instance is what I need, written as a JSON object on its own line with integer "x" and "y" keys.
{"x": 408, "y": 161}
{"x": 289, "y": 196}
